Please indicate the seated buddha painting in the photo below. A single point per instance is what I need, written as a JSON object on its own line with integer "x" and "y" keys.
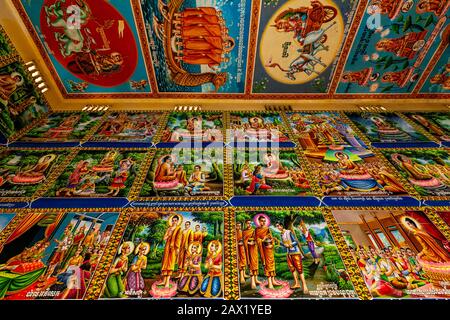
{"x": 386, "y": 128}
{"x": 23, "y": 172}
{"x": 401, "y": 254}
{"x": 190, "y": 127}
{"x": 343, "y": 172}
{"x": 427, "y": 170}
{"x": 54, "y": 255}
{"x": 98, "y": 173}
{"x": 62, "y": 127}
{"x": 258, "y": 127}
{"x": 185, "y": 173}
{"x": 289, "y": 254}
{"x": 128, "y": 127}
{"x": 168, "y": 254}
{"x": 275, "y": 172}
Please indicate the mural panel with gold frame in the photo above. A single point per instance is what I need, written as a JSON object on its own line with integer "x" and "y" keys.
{"x": 400, "y": 252}
{"x": 166, "y": 254}
{"x": 53, "y": 254}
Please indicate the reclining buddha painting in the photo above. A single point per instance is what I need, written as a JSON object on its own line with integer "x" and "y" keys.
{"x": 53, "y": 255}
{"x": 185, "y": 173}
{"x": 289, "y": 254}
{"x": 169, "y": 254}
{"x": 98, "y": 173}
{"x": 427, "y": 170}
{"x": 273, "y": 172}
{"x": 435, "y": 123}
{"x": 401, "y": 254}
{"x": 23, "y": 172}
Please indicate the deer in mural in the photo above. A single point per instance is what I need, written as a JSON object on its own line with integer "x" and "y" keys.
{"x": 71, "y": 40}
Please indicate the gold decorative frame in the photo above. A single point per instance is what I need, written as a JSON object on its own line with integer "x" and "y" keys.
{"x": 5, "y": 234}
{"x": 100, "y": 276}
{"x": 353, "y": 271}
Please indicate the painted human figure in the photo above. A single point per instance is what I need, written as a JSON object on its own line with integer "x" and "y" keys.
{"x": 251, "y": 251}
{"x": 172, "y": 239}
{"x": 242, "y": 254}
{"x": 213, "y": 282}
{"x": 187, "y": 237}
{"x": 310, "y": 241}
{"x": 293, "y": 256}
{"x": 193, "y": 278}
{"x": 265, "y": 243}
{"x": 135, "y": 281}
{"x": 115, "y": 286}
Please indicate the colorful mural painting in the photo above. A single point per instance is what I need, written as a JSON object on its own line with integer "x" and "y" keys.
{"x": 98, "y": 173}
{"x": 20, "y": 103}
{"x": 427, "y": 170}
{"x": 198, "y": 46}
{"x": 394, "y": 43}
{"x": 289, "y": 254}
{"x": 93, "y": 45}
{"x": 401, "y": 254}
{"x": 23, "y": 172}
{"x": 6, "y": 47}
{"x": 435, "y": 123}
{"x": 53, "y": 255}
{"x": 269, "y": 172}
{"x": 128, "y": 127}
{"x": 192, "y": 173}
{"x": 186, "y": 127}
{"x": 168, "y": 254}
{"x": 5, "y": 218}
{"x": 387, "y": 129}
{"x": 298, "y": 44}
{"x": 62, "y": 127}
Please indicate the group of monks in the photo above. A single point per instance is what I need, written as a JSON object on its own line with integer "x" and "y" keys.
{"x": 202, "y": 37}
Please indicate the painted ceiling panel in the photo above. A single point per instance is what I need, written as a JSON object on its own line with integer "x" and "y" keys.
{"x": 250, "y": 49}
{"x": 393, "y": 46}
{"x": 93, "y": 45}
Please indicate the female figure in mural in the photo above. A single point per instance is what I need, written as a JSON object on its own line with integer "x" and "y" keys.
{"x": 190, "y": 282}
{"x": 115, "y": 286}
{"x": 432, "y": 250}
{"x": 135, "y": 281}
{"x": 172, "y": 239}
{"x": 258, "y": 181}
{"x": 75, "y": 283}
{"x": 121, "y": 177}
{"x": 212, "y": 283}
{"x": 310, "y": 241}
{"x": 75, "y": 177}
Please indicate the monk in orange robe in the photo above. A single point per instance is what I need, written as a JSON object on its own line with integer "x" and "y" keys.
{"x": 403, "y": 46}
{"x": 165, "y": 172}
{"x": 172, "y": 238}
{"x": 187, "y": 237}
{"x": 196, "y": 31}
{"x": 204, "y": 44}
{"x": 264, "y": 240}
{"x": 431, "y": 250}
{"x": 200, "y": 12}
{"x": 242, "y": 254}
{"x": 251, "y": 251}
{"x": 212, "y": 60}
{"x": 361, "y": 77}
